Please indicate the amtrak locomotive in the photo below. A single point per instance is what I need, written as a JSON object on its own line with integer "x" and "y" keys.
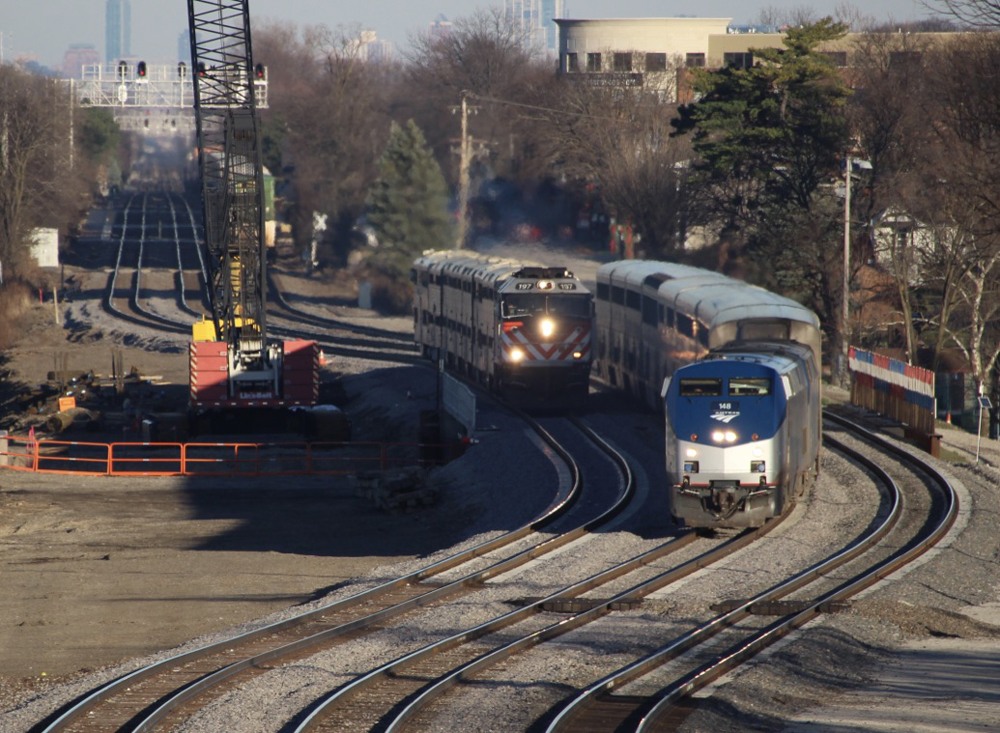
{"x": 653, "y": 319}
{"x": 523, "y": 329}
{"x": 742, "y": 441}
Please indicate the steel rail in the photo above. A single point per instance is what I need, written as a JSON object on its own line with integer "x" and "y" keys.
{"x": 437, "y": 688}
{"x": 84, "y": 706}
{"x": 475, "y": 579}
{"x": 182, "y": 288}
{"x": 577, "y": 707}
{"x": 146, "y": 319}
{"x": 118, "y": 260}
{"x": 322, "y": 707}
{"x": 738, "y": 655}
{"x": 330, "y": 323}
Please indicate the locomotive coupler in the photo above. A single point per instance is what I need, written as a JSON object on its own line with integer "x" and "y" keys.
{"x": 724, "y": 498}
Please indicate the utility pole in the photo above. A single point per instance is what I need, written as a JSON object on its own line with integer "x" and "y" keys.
{"x": 72, "y": 141}
{"x": 465, "y": 160}
{"x": 845, "y": 306}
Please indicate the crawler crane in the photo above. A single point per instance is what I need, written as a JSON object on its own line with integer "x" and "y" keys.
{"x": 233, "y": 365}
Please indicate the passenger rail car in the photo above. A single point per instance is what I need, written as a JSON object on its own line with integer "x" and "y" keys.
{"x": 655, "y": 317}
{"x": 741, "y": 435}
{"x": 523, "y": 329}
{"x": 653, "y": 320}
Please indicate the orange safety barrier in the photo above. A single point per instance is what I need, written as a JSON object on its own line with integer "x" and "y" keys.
{"x": 215, "y": 459}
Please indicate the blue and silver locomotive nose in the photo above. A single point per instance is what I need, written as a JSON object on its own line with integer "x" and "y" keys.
{"x": 724, "y": 445}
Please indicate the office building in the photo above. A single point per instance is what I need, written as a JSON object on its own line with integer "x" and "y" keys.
{"x": 78, "y": 56}
{"x": 117, "y": 30}
{"x": 535, "y": 19}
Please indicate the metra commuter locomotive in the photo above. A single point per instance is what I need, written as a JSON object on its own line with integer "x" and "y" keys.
{"x": 523, "y": 329}
{"x": 756, "y": 442}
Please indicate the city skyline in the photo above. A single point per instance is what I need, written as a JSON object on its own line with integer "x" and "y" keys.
{"x": 29, "y": 31}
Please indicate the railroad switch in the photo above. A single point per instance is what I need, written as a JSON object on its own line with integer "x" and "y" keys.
{"x": 781, "y": 608}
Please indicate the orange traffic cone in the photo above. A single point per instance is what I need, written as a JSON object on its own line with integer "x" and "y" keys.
{"x": 947, "y": 417}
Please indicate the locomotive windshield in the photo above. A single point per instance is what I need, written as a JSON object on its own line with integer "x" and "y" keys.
{"x": 700, "y": 387}
{"x": 518, "y": 305}
{"x": 749, "y": 387}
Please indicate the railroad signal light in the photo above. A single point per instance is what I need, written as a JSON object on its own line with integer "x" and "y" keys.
{"x": 182, "y": 70}
{"x": 258, "y": 71}
{"x": 201, "y": 68}
{"x": 122, "y": 69}
{"x": 140, "y": 70}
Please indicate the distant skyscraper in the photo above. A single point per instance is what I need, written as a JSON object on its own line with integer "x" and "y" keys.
{"x": 440, "y": 27}
{"x": 534, "y": 18}
{"x": 184, "y": 47}
{"x": 78, "y": 56}
{"x": 117, "y": 30}
{"x": 372, "y": 48}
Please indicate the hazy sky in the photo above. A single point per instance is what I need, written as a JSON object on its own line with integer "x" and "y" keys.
{"x": 44, "y": 29}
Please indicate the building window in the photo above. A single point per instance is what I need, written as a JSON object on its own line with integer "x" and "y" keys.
{"x": 572, "y": 63}
{"x": 695, "y": 59}
{"x": 837, "y": 58}
{"x": 738, "y": 60}
{"x": 593, "y": 62}
{"x": 903, "y": 59}
{"x": 656, "y": 62}
{"x": 623, "y": 62}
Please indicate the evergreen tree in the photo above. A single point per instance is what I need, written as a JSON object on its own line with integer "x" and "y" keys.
{"x": 769, "y": 135}
{"x": 408, "y": 203}
{"x": 767, "y": 139}
{"x": 99, "y": 135}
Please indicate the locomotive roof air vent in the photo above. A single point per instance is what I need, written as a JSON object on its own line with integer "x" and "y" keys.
{"x": 543, "y": 273}
{"x": 655, "y": 281}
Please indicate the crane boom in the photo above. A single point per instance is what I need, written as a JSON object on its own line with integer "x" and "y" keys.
{"x": 232, "y": 174}
{"x": 232, "y": 363}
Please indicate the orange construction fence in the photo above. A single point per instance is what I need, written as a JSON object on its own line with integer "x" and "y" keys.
{"x": 214, "y": 459}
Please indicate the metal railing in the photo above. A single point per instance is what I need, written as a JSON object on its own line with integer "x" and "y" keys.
{"x": 216, "y": 458}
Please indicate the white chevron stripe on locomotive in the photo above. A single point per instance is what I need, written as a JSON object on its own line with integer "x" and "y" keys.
{"x": 579, "y": 340}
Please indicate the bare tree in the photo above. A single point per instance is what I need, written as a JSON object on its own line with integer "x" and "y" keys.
{"x": 330, "y": 110}
{"x": 620, "y": 139}
{"x": 974, "y": 329}
{"x": 487, "y": 58}
{"x": 892, "y": 132}
{"x": 967, "y": 130}
{"x": 798, "y": 15}
{"x": 976, "y": 13}
{"x": 39, "y": 187}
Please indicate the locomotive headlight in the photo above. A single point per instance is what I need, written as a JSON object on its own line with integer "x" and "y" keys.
{"x": 724, "y": 437}
{"x": 547, "y": 327}
{"x": 691, "y": 453}
{"x": 757, "y": 452}
{"x": 516, "y": 354}
{"x": 577, "y": 354}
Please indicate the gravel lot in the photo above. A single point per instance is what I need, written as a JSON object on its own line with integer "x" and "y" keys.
{"x": 919, "y": 651}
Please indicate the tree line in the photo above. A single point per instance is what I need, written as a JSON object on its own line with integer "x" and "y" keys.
{"x": 752, "y": 165}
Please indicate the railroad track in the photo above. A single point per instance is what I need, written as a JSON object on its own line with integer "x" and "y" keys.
{"x": 611, "y": 705}
{"x": 147, "y": 697}
{"x": 137, "y": 253}
{"x": 157, "y": 236}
